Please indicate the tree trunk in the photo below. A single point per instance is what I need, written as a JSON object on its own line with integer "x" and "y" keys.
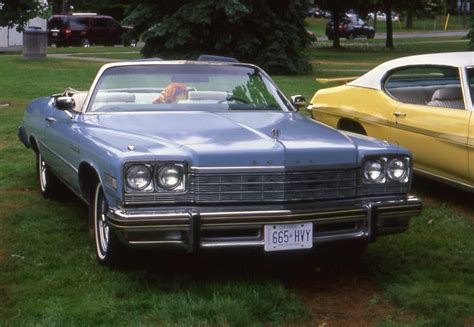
{"x": 388, "y": 16}
{"x": 336, "y": 43}
{"x": 409, "y": 23}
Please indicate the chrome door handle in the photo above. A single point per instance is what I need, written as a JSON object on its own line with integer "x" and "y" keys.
{"x": 50, "y": 119}
{"x": 399, "y": 114}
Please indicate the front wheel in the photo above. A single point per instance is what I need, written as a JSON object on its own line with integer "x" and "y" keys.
{"x": 108, "y": 248}
{"x": 48, "y": 183}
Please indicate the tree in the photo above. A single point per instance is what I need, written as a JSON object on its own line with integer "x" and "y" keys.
{"x": 19, "y": 12}
{"x": 388, "y": 16}
{"x": 114, "y": 8}
{"x": 268, "y": 33}
{"x": 338, "y": 10}
{"x": 419, "y": 8}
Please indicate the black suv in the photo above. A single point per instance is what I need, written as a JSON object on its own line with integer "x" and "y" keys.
{"x": 350, "y": 28}
{"x": 87, "y": 30}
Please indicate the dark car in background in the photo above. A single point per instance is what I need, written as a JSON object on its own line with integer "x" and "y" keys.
{"x": 88, "y": 29}
{"x": 350, "y": 28}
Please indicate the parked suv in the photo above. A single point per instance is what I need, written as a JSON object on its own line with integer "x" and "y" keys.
{"x": 87, "y": 30}
{"x": 350, "y": 28}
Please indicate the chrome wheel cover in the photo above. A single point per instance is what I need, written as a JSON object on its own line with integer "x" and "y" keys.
{"x": 42, "y": 173}
{"x": 102, "y": 230}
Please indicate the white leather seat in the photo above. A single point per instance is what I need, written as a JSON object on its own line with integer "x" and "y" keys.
{"x": 447, "y": 98}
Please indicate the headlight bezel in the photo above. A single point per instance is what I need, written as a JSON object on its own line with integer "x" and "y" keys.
{"x": 382, "y": 177}
{"x": 154, "y": 186}
{"x": 137, "y": 166}
{"x": 386, "y": 177}
{"x": 180, "y": 185}
{"x": 406, "y": 173}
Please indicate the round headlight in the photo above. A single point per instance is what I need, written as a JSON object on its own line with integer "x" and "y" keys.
{"x": 373, "y": 171}
{"x": 138, "y": 177}
{"x": 169, "y": 177}
{"x": 397, "y": 170}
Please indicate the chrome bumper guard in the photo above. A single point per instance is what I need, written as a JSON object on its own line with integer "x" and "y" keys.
{"x": 232, "y": 227}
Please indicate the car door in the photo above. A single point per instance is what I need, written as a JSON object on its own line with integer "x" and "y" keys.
{"x": 99, "y": 33}
{"x": 432, "y": 119}
{"x": 358, "y": 26}
{"x": 469, "y": 91}
{"x": 114, "y": 30}
{"x": 61, "y": 135}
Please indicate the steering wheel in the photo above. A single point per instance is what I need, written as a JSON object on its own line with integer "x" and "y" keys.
{"x": 235, "y": 98}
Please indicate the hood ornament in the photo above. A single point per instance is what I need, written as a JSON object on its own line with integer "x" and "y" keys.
{"x": 276, "y": 133}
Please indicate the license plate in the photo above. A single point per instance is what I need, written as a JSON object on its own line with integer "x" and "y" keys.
{"x": 55, "y": 34}
{"x": 288, "y": 237}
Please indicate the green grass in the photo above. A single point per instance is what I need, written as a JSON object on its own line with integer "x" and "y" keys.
{"x": 48, "y": 275}
{"x": 429, "y": 269}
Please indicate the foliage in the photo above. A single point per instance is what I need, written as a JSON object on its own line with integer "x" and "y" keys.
{"x": 268, "y": 33}
{"x": 19, "y": 12}
{"x": 418, "y": 8}
{"x": 114, "y": 8}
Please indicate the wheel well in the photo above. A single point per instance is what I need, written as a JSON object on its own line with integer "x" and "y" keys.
{"x": 33, "y": 144}
{"x": 88, "y": 178}
{"x": 351, "y": 126}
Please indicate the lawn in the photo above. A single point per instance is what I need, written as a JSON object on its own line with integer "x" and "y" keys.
{"x": 48, "y": 275}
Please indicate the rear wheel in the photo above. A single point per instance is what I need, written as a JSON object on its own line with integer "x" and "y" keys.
{"x": 108, "y": 248}
{"x": 49, "y": 183}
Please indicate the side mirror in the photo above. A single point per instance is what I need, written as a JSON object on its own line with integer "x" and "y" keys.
{"x": 65, "y": 103}
{"x": 298, "y": 101}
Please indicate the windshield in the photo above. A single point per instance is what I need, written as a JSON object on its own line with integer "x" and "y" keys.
{"x": 185, "y": 87}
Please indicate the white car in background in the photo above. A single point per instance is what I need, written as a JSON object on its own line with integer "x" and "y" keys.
{"x": 383, "y": 17}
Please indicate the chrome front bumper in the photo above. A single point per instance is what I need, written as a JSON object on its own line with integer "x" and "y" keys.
{"x": 193, "y": 228}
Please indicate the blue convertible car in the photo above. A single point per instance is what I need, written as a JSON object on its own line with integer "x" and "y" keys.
{"x": 209, "y": 154}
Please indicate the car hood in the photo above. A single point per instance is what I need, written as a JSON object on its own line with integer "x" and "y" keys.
{"x": 225, "y": 139}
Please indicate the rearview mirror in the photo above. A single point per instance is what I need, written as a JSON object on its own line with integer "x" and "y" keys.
{"x": 298, "y": 101}
{"x": 65, "y": 103}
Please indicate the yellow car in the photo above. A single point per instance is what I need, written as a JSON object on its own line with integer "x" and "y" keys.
{"x": 423, "y": 103}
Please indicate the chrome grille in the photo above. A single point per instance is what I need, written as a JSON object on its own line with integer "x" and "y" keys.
{"x": 259, "y": 187}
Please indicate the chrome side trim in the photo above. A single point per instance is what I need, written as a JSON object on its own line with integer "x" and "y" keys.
{"x": 364, "y": 118}
{"x": 59, "y": 156}
{"x": 443, "y": 179}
